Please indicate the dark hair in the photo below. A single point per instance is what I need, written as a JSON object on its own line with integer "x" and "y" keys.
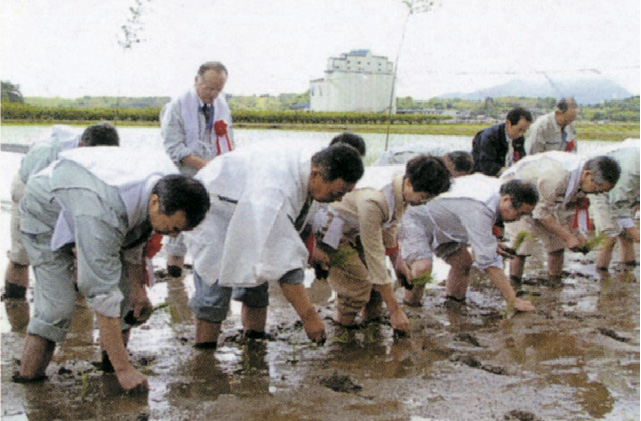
{"x": 102, "y": 134}
{"x": 350, "y": 139}
{"x": 515, "y": 115}
{"x": 520, "y": 192}
{"x": 603, "y": 169}
{"x": 211, "y": 65}
{"x": 339, "y": 161}
{"x": 181, "y": 193}
{"x": 462, "y": 161}
{"x": 429, "y": 174}
{"x": 564, "y": 104}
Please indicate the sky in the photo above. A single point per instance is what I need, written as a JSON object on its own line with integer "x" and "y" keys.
{"x": 70, "y": 48}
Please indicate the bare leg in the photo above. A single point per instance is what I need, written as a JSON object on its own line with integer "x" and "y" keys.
{"x": 36, "y": 356}
{"x": 555, "y": 263}
{"x": 517, "y": 263}
{"x": 16, "y": 281}
{"x": 374, "y": 306}
{"x": 457, "y": 279}
{"x": 604, "y": 256}
{"x": 253, "y": 319}
{"x": 627, "y": 249}
{"x": 206, "y": 333}
{"x": 345, "y": 319}
{"x": 412, "y": 297}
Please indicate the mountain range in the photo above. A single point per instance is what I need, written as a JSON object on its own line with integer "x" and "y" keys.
{"x": 585, "y": 91}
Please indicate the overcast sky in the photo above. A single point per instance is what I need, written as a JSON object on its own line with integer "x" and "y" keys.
{"x": 69, "y": 48}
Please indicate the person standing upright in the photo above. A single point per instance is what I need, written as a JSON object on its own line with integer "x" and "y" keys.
{"x": 497, "y": 147}
{"x": 196, "y": 127}
{"x": 554, "y": 131}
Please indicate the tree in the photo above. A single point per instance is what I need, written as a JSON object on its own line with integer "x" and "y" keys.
{"x": 11, "y": 92}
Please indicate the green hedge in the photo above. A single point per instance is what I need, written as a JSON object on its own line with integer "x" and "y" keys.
{"x": 15, "y": 111}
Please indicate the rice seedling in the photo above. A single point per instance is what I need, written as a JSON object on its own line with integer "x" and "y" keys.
{"x": 508, "y": 309}
{"x": 423, "y": 279}
{"x": 85, "y": 384}
{"x": 594, "y": 243}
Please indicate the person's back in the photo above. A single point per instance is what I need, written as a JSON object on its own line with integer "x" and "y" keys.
{"x": 41, "y": 155}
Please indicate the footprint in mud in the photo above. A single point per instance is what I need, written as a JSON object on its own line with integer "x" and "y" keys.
{"x": 474, "y": 362}
{"x": 340, "y": 383}
{"x": 516, "y": 415}
{"x": 612, "y": 334}
{"x": 466, "y": 337}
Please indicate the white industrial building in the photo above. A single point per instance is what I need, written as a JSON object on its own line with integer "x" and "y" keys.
{"x": 355, "y": 81}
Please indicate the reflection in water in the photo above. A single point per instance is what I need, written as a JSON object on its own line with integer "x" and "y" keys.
{"x": 202, "y": 380}
{"x": 178, "y": 300}
{"x": 78, "y": 343}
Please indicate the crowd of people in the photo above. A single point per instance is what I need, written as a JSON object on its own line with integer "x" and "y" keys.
{"x": 86, "y": 216}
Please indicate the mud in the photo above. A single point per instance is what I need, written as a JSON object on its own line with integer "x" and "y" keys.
{"x": 575, "y": 358}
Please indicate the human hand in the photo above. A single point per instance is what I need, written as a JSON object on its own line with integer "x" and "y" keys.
{"x": 522, "y": 305}
{"x": 505, "y": 251}
{"x": 320, "y": 258}
{"x": 141, "y": 305}
{"x": 400, "y": 322}
{"x": 132, "y": 380}
{"x": 314, "y": 327}
{"x": 403, "y": 274}
{"x": 576, "y": 243}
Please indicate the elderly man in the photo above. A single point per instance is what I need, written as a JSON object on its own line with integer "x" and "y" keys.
{"x": 40, "y": 155}
{"x": 563, "y": 179}
{"x": 363, "y": 225}
{"x": 554, "y": 131}
{"x": 497, "y": 147}
{"x": 251, "y": 235}
{"x": 459, "y": 164}
{"x": 613, "y": 212}
{"x": 466, "y": 216}
{"x": 196, "y": 128}
{"x": 105, "y": 202}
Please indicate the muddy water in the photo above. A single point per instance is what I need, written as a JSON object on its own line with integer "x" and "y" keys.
{"x": 576, "y": 357}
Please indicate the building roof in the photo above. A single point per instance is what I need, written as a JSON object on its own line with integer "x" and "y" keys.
{"x": 362, "y": 53}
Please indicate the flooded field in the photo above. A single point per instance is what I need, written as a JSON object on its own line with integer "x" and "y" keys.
{"x": 576, "y": 357}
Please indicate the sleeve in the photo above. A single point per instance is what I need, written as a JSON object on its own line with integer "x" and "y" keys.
{"x": 533, "y": 142}
{"x": 488, "y": 154}
{"x": 478, "y": 225}
{"x": 625, "y": 193}
{"x": 603, "y": 218}
{"x": 413, "y": 237}
{"x": 370, "y": 219}
{"x": 551, "y": 185}
{"x": 36, "y": 160}
{"x": 173, "y": 132}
